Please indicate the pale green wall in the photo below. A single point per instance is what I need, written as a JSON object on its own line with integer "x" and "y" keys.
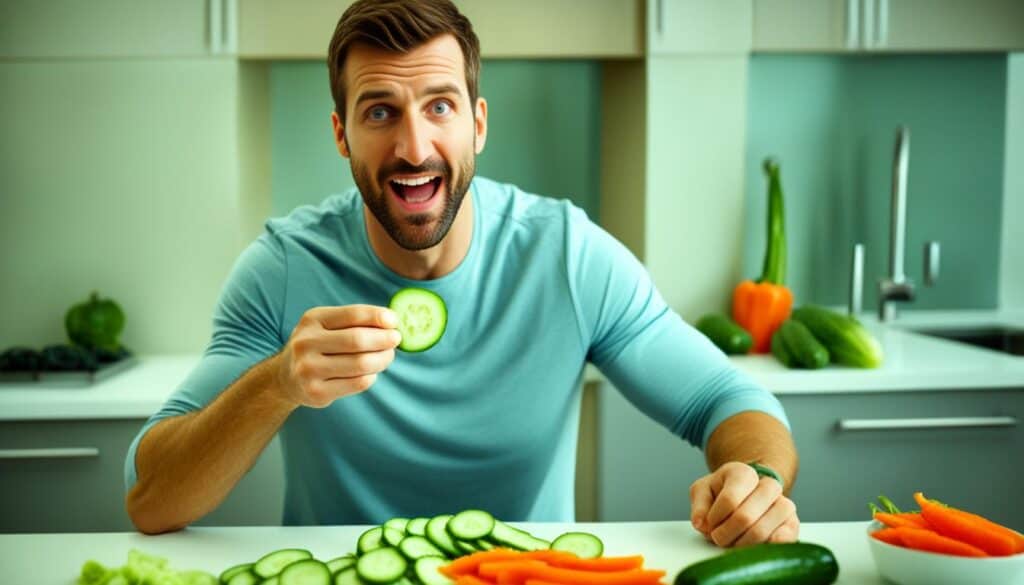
{"x": 544, "y": 120}
{"x": 832, "y": 121}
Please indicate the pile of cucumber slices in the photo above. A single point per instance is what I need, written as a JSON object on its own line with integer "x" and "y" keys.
{"x": 404, "y": 551}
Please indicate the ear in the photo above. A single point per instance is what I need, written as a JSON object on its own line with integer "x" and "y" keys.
{"x": 480, "y": 124}
{"x": 339, "y": 134}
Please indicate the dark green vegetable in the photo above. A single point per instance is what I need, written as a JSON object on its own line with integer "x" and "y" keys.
{"x": 795, "y": 563}
{"x": 19, "y": 359}
{"x": 802, "y": 345}
{"x": 725, "y": 333}
{"x": 782, "y": 353}
{"x": 848, "y": 342}
{"x": 63, "y": 358}
{"x": 95, "y": 323}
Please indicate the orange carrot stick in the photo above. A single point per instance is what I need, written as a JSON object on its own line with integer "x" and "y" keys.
{"x": 888, "y": 535}
{"x": 469, "y": 563}
{"x": 539, "y": 582}
{"x": 908, "y": 519}
{"x": 599, "y": 564}
{"x": 972, "y": 529}
{"x": 512, "y": 574}
{"x": 471, "y": 580}
{"x": 929, "y": 541}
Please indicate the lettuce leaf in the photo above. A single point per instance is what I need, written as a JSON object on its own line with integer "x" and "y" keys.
{"x": 141, "y": 569}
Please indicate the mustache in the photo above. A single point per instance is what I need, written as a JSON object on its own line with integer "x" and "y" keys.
{"x": 433, "y": 165}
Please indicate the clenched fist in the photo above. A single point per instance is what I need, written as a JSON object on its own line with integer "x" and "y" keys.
{"x": 735, "y": 507}
{"x": 336, "y": 351}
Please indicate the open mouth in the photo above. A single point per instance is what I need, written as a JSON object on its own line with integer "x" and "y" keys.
{"x": 416, "y": 192}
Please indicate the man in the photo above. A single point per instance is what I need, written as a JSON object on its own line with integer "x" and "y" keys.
{"x": 487, "y": 418}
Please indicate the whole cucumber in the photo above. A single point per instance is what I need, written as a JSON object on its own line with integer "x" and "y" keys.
{"x": 848, "y": 342}
{"x": 793, "y": 563}
{"x": 799, "y": 340}
{"x": 725, "y": 333}
{"x": 782, "y": 353}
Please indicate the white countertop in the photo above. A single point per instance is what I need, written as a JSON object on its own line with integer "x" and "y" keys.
{"x": 913, "y": 362}
{"x": 56, "y": 559}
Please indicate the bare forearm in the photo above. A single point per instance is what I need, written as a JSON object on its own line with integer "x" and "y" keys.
{"x": 188, "y": 464}
{"x": 754, "y": 436}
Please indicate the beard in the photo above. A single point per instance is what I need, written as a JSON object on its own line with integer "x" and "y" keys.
{"x": 421, "y": 230}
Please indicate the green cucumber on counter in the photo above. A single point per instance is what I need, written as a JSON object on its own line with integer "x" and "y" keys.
{"x": 794, "y": 563}
{"x": 848, "y": 342}
{"x": 725, "y": 333}
{"x": 798, "y": 346}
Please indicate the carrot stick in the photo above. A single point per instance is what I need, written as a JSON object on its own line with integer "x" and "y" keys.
{"x": 469, "y": 563}
{"x": 471, "y": 580}
{"x": 908, "y": 519}
{"x": 510, "y": 573}
{"x": 539, "y": 582}
{"x": 979, "y": 532}
{"x": 599, "y": 564}
{"x": 929, "y": 541}
{"x": 888, "y": 535}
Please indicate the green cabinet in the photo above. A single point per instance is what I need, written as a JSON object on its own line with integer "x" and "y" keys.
{"x": 67, "y": 476}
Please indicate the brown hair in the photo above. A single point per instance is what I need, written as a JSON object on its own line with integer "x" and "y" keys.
{"x": 400, "y": 26}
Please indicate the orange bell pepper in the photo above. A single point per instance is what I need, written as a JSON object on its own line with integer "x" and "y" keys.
{"x": 760, "y": 307}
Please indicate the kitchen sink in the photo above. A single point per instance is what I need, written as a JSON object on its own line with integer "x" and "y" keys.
{"x": 1006, "y": 339}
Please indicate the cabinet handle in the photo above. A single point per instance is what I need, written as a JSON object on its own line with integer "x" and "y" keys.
{"x": 57, "y": 453}
{"x": 882, "y": 30}
{"x": 216, "y": 26}
{"x": 852, "y": 22}
{"x": 899, "y": 424}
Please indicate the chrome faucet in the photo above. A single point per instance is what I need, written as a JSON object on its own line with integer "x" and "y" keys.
{"x": 897, "y": 287}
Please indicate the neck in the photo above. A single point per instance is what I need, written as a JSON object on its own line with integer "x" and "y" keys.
{"x": 426, "y": 264}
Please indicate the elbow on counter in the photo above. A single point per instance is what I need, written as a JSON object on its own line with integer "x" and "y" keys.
{"x": 146, "y": 512}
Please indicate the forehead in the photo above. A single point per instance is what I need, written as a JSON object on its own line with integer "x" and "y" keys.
{"x": 440, "y": 58}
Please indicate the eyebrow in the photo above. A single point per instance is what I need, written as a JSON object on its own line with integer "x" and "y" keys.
{"x": 376, "y": 94}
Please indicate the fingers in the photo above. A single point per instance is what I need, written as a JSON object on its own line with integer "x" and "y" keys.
{"x": 701, "y": 499}
{"x": 781, "y": 512}
{"x": 789, "y": 531}
{"x": 748, "y": 514}
{"x": 353, "y": 316}
{"x": 732, "y": 483}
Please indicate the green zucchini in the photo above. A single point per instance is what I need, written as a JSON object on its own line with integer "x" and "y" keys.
{"x": 725, "y": 333}
{"x": 848, "y": 342}
{"x": 802, "y": 344}
{"x": 794, "y": 563}
{"x": 782, "y": 353}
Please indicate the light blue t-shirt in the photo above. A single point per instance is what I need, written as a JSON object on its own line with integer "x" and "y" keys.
{"x": 488, "y": 417}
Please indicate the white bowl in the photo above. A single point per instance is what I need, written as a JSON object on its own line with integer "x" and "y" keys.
{"x": 913, "y": 567}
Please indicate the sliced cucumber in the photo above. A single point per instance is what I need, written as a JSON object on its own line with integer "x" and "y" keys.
{"x": 466, "y": 548}
{"x": 272, "y": 563}
{"x": 417, "y": 526}
{"x": 414, "y": 547}
{"x": 348, "y": 576}
{"x": 306, "y": 572}
{"x": 470, "y": 525}
{"x": 370, "y": 540}
{"x": 426, "y": 570}
{"x": 232, "y": 571}
{"x": 582, "y": 544}
{"x": 342, "y": 562}
{"x": 422, "y": 318}
{"x": 484, "y": 544}
{"x": 398, "y": 524}
{"x": 246, "y": 577}
{"x": 273, "y": 581}
{"x": 382, "y": 565}
{"x": 437, "y": 533}
{"x": 393, "y": 537}
{"x": 514, "y": 538}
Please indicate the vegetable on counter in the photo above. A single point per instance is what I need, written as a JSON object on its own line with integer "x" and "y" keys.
{"x": 848, "y": 342}
{"x": 548, "y": 566}
{"x": 141, "y": 569}
{"x": 761, "y": 307}
{"x": 796, "y": 347}
{"x": 725, "y": 333}
{"x": 793, "y": 563}
{"x": 95, "y": 323}
{"x": 944, "y": 529}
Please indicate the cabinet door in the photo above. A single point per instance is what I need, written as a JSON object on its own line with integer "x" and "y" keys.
{"x": 522, "y": 29}
{"x": 67, "y": 476}
{"x": 698, "y": 26}
{"x": 805, "y": 25}
{"x": 976, "y": 467}
{"x": 103, "y": 28}
{"x": 950, "y": 25}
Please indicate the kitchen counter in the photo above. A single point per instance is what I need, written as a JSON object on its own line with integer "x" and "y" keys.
{"x": 56, "y": 559}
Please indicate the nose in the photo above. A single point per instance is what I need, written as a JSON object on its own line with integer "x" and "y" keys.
{"x": 415, "y": 142}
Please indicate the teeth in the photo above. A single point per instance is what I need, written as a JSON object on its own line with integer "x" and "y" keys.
{"x": 414, "y": 182}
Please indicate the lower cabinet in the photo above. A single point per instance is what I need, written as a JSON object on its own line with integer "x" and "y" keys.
{"x": 67, "y": 476}
{"x": 961, "y": 447}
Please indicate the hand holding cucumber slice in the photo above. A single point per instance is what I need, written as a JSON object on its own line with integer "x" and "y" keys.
{"x": 422, "y": 318}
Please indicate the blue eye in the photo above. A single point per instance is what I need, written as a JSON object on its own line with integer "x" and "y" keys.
{"x": 377, "y": 113}
{"x": 440, "y": 108}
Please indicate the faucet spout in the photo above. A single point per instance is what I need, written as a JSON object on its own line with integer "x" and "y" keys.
{"x": 896, "y": 287}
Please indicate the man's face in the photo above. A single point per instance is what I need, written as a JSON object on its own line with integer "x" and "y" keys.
{"x": 412, "y": 136}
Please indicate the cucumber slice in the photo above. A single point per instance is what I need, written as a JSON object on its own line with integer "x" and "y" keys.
{"x": 466, "y": 548}
{"x": 382, "y": 565}
{"x": 348, "y": 576}
{"x": 422, "y": 318}
{"x": 438, "y": 534}
{"x": 392, "y": 537}
{"x": 414, "y": 547}
{"x": 417, "y": 526}
{"x": 426, "y": 570}
{"x": 582, "y": 544}
{"x": 272, "y": 563}
{"x": 246, "y": 577}
{"x": 518, "y": 539}
{"x": 484, "y": 544}
{"x": 370, "y": 540}
{"x": 305, "y": 572}
{"x": 470, "y": 525}
{"x": 232, "y": 571}
{"x": 398, "y": 524}
{"x": 343, "y": 562}
{"x": 272, "y": 581}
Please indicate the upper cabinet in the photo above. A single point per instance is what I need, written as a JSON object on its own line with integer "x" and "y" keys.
{"x": 301, "y": 29}
{"x": 888, "y": 25}
{"x": 698, "y": 26}
{"x": 53, "y": 29}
